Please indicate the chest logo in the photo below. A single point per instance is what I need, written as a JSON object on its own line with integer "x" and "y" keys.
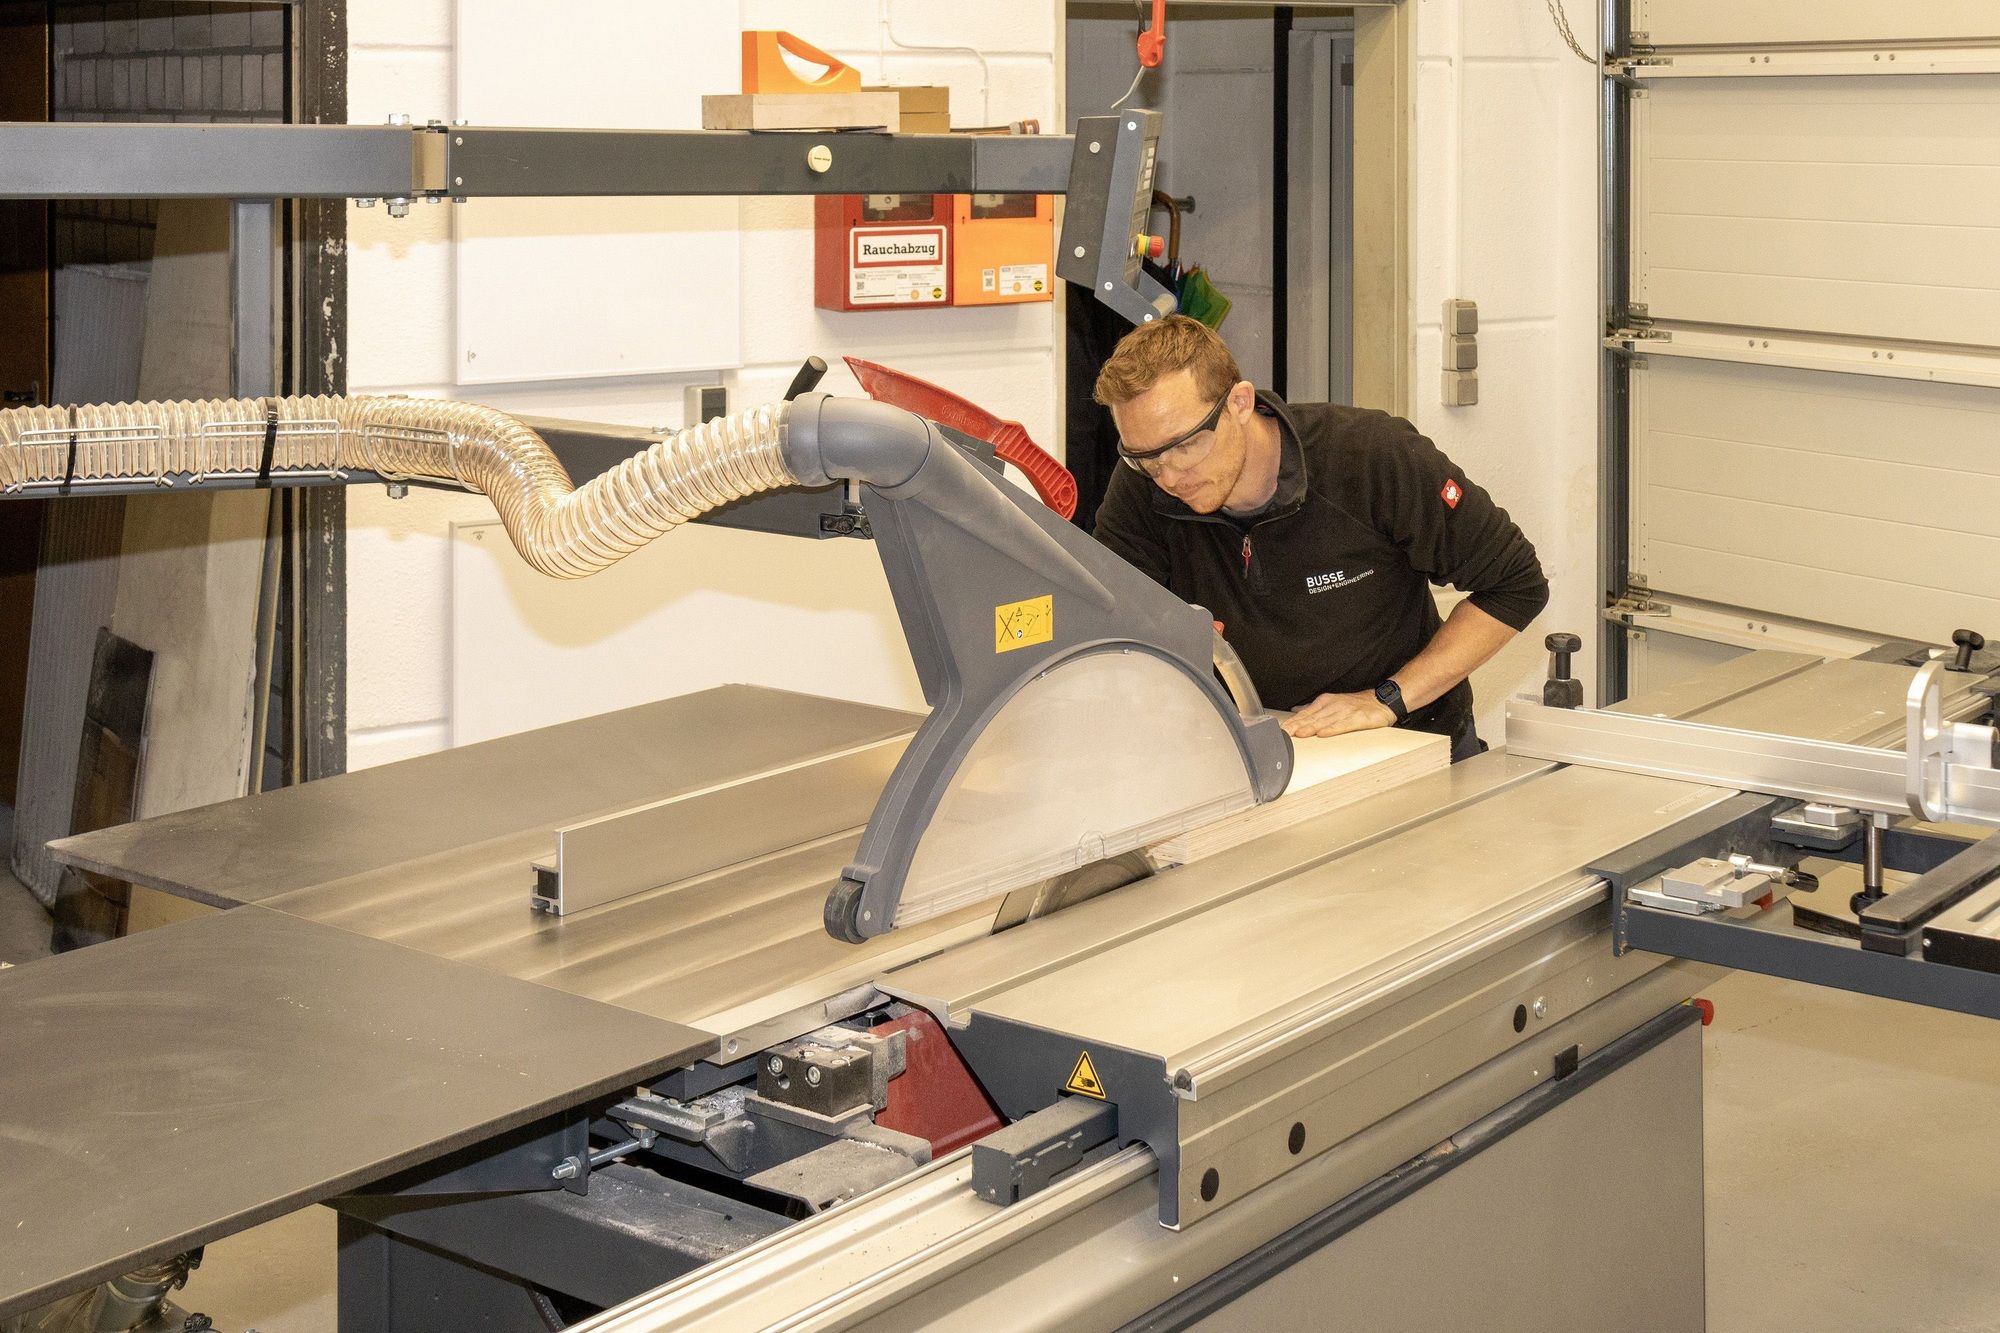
{"x": 1334, "y": 578}
{"x": 1451, "y": 493}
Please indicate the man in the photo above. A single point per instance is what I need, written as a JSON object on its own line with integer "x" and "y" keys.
{"x": 1313, "y": 533}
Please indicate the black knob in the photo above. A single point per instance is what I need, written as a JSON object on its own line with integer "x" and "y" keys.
{"x": 1969, "y": 642}
{"x": 1561, "y": 646}
{"x": 1561, "y": 691}
{"x": 808, "y": 378}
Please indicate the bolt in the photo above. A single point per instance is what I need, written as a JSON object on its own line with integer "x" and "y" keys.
{"x": 400, "y": 118}
{"x": 1096, "y": 147}
{"x": 777, "y": 1065}
{"x": 399, "y": 208}
{"x": 1079, "y": 252}
{"x": 1541, "y": 1007}
{"x": 812, "y": 1075}
{"x": 569, "y": 1168}
{"x": 364, "y": 203}
{"x": 398, "y": 490}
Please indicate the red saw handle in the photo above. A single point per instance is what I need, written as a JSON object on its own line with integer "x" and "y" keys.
{"x": 1051, "y": 480}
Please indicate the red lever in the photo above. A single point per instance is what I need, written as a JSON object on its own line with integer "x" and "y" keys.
{"x": 1051, "y": 480}
{"x": 1153, "y": 41}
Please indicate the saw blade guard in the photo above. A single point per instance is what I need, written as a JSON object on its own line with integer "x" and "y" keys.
{"x": 1076, "y": 711}
{"x": 1105, "y": 752}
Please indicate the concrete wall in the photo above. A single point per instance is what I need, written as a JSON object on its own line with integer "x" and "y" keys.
{"x": 1000, "y": 62}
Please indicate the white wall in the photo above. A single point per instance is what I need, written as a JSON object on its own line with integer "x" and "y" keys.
{"x": 1000, "y": 62}
{"x": 1506, "y": 215}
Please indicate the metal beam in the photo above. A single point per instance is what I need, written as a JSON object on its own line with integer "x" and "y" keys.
{"x": 1773, "y": 948}
{"x": 110, "y": 160}
{"x": 1856, "y": 777}
{"x": 527, "y": 162}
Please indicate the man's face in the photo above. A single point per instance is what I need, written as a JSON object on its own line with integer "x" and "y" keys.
{"x": 1204, "y": 470}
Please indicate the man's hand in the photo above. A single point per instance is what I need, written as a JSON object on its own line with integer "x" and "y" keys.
{"x": 1337, "y": 714}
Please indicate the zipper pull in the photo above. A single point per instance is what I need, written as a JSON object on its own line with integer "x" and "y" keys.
{"x": 1246, "y": 554}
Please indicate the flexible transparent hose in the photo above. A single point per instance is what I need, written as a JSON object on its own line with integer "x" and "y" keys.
{"x": 562, "y": 530}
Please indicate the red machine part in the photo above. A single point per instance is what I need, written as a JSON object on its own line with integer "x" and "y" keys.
{"x": 936, "y": 1098}
{"x": 1706, "y": 1009}
{"x": 1153, "y": 41}
{"x": 1051, "y": 480}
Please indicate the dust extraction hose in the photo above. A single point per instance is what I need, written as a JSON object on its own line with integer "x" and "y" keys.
{"x": 561, "y": 529}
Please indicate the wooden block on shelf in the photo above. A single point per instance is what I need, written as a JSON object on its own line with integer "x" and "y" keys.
{"x": 1329, "y": 772}
{"x": 801, "y": 111}
{"x": 926, "y": 109}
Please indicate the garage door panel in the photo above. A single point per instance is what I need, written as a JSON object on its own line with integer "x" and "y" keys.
{"x": 1763, "y": 528}
{"x": 1876, "y": 604}
{"x": 1846, "y": 499}
{"x": 1921, "y": 193}
{"x": 1925, "y": 426}
{"x": 1860, "y": 488}
{"x": 1892, "y": 119}
{"x": 1749, "y": 22}
{"x": 1849, "y": 206}
{"x": 1818, "y": 305}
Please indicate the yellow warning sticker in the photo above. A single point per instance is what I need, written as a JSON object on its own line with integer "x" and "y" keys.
{"x": 1019, "y": 624}
{"x": 1083, "y": 1079}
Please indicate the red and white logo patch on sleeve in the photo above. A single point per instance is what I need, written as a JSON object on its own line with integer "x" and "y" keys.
{"x": 1451, "y": 493}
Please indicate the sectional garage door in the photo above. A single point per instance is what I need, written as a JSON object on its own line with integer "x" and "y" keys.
{"x": 1814, "y": 276}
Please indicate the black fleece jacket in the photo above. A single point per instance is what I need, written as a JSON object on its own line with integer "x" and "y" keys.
{"x": 1327, "y": 589}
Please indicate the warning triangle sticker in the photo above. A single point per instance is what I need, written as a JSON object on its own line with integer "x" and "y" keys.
{"x": 1083, "y": 1079}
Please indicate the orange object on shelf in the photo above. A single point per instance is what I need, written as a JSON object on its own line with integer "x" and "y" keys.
{"x": 1010, "y": 440}
{"x": 765, "y": 69}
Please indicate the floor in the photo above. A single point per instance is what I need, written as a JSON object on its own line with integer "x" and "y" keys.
{"x": 1853, "y": 1158}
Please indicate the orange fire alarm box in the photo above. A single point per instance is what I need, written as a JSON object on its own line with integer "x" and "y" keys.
{"x": 900, "y": 252}
{"x": 1002, "y": 245}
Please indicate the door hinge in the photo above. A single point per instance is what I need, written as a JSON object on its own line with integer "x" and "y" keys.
{"x": 1635, "y": 600}
{"x": 1635, "y": 325}
{"x": 1629, "y": 72}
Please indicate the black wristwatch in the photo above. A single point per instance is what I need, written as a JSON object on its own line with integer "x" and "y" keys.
{"x": 1391, "y": 694}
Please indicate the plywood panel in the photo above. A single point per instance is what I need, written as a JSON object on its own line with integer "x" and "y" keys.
{"x": 1738, "y": 22}
{"x": 1851, "y": 500}
{"x": 573, "y": 288}
{"x": 1865, "y": 207}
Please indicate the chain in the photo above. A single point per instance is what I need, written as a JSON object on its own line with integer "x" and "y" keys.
{"x": 1568, "y": 35}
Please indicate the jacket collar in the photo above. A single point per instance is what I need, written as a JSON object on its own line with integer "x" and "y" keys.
{"x": 1291, "y": 492}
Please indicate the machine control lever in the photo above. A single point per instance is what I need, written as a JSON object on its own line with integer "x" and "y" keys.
{"x": 1969, "y": 641}
{"x": 810, "y": 373}
{"x": 1562, "y": 690}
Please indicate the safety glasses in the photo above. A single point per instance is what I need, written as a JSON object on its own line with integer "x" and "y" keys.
{"x": 1182, "y": 452}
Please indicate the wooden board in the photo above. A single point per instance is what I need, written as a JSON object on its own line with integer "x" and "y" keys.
{"x": 1329, "y": 772}
{"x": 801, "y": 111}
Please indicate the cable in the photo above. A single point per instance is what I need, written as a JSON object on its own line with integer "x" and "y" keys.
{"x": 1140, "y": 74}
{"x": 1561, "y": 19}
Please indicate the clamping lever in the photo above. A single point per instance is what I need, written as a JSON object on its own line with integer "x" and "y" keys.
{"x": 1561, "y": 690}
{"x": 811, "y": 372}
{"x": 1969, "y": 641}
